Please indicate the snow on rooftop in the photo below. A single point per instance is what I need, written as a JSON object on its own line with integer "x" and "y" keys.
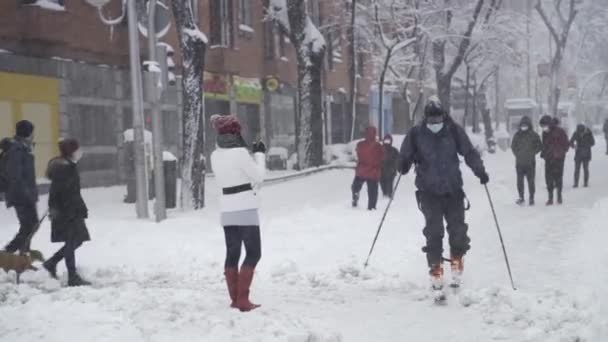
{"x": 168, "y": 156}
{"x": 246, "y": 28}
{"x": 129, "y": 136}
{"x": 49, "y": 5}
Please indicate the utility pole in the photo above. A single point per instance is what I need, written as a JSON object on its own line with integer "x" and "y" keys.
{"x": 138, "y": 119}
{"x": 529, "y": 15}
{"x": 154, "y": 87}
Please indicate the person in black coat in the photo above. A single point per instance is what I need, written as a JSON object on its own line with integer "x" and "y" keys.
{"x": 526, "y": 145}
{"x": 22, "y": 192}
{"x": 582, "y": 141}
{"x": 389, "y": 166}
{"x": 67, "y": 210}
{"x": 433, "y": 148}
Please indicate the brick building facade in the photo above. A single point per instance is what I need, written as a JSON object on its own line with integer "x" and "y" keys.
{"x": 250, "y": 71}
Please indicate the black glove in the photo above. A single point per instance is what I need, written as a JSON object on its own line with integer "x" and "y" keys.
{"x": 403, "y": 167}
{"x": 259, "y": 147}
{"x": 483, "y": 177}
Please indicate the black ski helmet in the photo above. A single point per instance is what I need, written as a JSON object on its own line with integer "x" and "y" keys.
{"x": 433, "y": 107}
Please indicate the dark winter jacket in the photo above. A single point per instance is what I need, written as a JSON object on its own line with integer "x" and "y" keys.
{"x": 370, "y": 154}
{"x": 391, "y": 158}
{"x": 21, "y": 172}
{"x": 526, "y": 144}
{"x": 66, "y": 205}
{"x": 555, "y": 144}
{"x": 436, "y": 157}
{"x": 582, "y": 141}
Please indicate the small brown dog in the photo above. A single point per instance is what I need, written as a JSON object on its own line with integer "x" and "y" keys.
{"x": 19, "y": 262}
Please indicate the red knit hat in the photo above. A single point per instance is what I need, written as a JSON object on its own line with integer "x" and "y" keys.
{"x": 226, "y": 124}
{"x": 67, "y": 147}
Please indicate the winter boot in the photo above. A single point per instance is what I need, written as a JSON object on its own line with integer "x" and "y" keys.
{"x": 232, "y": 280}
{"x": 244, "y": 284}
{"x": 436, "y": 273}
{"x": 457, "y": 268}
{"x": 51, "y": 267}
{"x": 550, "y": 200}
{"x": 531, "y": 201}
{"x": 560, "y": 200}
{"x": 355, "y": 199}
{"x": 520, "y": 201}
{"x": 75, "y": 280}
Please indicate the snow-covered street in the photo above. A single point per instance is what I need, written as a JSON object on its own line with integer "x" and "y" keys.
{"x": 165, "y": 282}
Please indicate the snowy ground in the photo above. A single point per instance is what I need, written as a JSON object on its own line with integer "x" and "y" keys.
{"x": 164, "y": 282}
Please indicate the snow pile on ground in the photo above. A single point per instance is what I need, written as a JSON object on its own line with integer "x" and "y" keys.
{"x": 164, "y": 282}
{"x": 339, "y": 154}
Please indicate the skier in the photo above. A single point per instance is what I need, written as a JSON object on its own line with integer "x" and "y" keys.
{"x": 370, "y": 155}
{"x": 582, "y": 141}
{"x": 22, "y": 191}
{"x": 239, "y": 175}
{"x": 67, "y": 210}
{"x": 389, "y": 166}
{"x": 606, "y": 134}
{"x": 555, "y": 147}
{"x": 526, "y": 145}
{"x": 433, "y": 147}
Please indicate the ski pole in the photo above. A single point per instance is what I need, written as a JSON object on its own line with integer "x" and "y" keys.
{"x": 382, "y": 221}
{"x": 504, "y": 251}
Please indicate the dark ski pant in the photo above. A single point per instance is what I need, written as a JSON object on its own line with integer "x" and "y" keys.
{"x": 554, "y": 175}
{"x": 28, "y": 221}
{"x": 68, "y": 253}
{"x": 527, "y": 172}
{"x": 435, "y": 209}
{"x": 577, "y": 171}
{"x": 236, "y": 236}
{"x": 387, "y": 183}
{"x": 372, "y": 191}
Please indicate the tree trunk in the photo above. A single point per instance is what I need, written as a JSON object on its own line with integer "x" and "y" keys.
{"x": 444, "y": 92}
{"x": 387, "y": 59}
{"x": 315, "y": 91}
{"x": 475, "y": 116}
{"x": 353, "y": 70}
{"x": 555, "y": 89}
{"x": 467, "y": 86}
{"x": 193, "y": 45}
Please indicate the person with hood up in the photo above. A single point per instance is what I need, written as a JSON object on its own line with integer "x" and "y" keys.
{"x": 555, "y": 147}
{"x": 67, "y": 210}
{"x": 525, "y": 146}
{"x": 389, "y": 166}
{"x": 370, "y": 155}
{"x": 22, "y": 190}
{"x": 239, "y": 175}
{"x": 433, "y": 147}
{"x": 582, "y": 141}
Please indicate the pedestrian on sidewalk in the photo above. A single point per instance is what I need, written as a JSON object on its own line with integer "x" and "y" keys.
{"x": 433, "y": 147}
{"x": 605, "y": 128}
{"x": 555, "y": 147}
{"x": 239, "y": 176}
{"x": 525, "y": 146}
{"x": 389, "y": 166}
{"x": 67, "y": 210}
{"x": 582, "y": 141}
{"x": 22, "y": 190}
{"x": 370, "y": 155}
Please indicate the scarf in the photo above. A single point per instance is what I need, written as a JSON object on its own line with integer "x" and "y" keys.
{"x": 230, "y": 141}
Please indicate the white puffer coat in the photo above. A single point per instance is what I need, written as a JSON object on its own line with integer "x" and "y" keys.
{"x": 234, "y": 167}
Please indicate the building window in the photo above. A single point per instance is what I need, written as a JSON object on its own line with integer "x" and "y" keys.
{"x": 269, "y": 37}
{"x": 245, "y": 12}
{"x": 93, "y": 125}
{"x": 222, "y": 32}
{"x": 360, "y": 64}
{"x": 283, "y": 40}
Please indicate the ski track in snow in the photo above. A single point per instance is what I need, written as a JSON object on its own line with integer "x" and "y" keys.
{"x": 165, "y": 282}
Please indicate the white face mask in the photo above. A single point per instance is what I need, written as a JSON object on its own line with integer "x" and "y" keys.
{"x": 545, "y": 128}
{"x": 387, "y": 142}
{"x": 524, "y": 128}
{"x": 77, "y": 156}
{"x": 435, "y": 128}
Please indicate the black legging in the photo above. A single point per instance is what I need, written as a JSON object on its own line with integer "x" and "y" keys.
{"x": 577, "y": 171}
{"x": 67, "y": 252}
{"x": 235, "y": 237}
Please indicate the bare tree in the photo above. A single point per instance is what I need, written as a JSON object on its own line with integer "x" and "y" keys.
{"x": 193, "y": 44}
{"x": 292, "y": 18}
{"x": 559, "y": 32}
{"x": 353, "y": 67}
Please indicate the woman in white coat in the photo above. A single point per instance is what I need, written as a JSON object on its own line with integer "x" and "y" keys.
{"x": 238, "y": 174}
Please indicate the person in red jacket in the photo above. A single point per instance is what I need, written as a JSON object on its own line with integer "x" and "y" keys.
{"x": 370, "y": 154}
{"x": 555, "y": 147}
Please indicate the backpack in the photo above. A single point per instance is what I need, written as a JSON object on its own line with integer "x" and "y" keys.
{"x": 4, "y": 145}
